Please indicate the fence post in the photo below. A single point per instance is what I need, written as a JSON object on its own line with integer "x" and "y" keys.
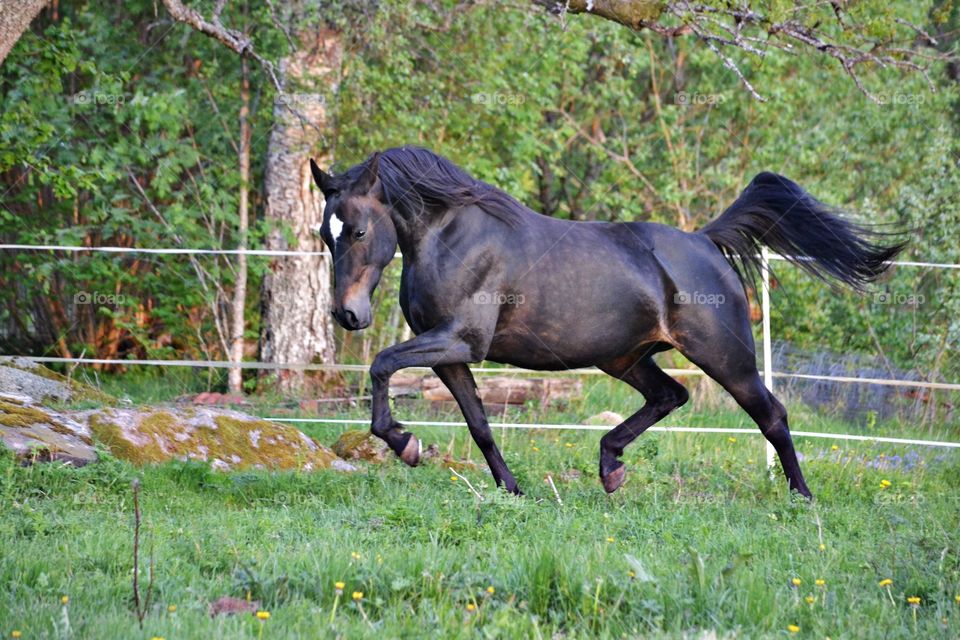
{"x": 767, "y": 349}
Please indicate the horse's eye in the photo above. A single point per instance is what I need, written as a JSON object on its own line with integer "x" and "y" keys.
{"x": 359, "y": 234}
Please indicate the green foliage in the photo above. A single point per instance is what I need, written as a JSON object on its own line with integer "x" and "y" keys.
{"x": 579, "y": 118}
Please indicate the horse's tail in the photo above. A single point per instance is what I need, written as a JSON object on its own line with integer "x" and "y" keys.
{"x": 778, "y": 213}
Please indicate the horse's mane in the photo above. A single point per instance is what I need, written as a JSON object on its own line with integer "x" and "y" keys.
{"x": 416, "y": 180}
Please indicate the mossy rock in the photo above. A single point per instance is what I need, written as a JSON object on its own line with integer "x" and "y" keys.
{"x": 361, "y": 445}
{"x": 22, "y": 376}
{"x": 226, "y": 439}
{"x": 38, "y": 434}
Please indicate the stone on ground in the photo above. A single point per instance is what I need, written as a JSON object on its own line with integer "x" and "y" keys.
{"x": 38, "y": 434}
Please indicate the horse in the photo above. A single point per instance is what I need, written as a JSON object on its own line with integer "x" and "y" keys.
{"x": 486, "y": 278}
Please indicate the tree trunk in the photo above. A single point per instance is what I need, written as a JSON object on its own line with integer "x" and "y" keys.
{"x": 296, "y": 290}
{"x": 15, "y": 17}
{"x": 235, "y": 378}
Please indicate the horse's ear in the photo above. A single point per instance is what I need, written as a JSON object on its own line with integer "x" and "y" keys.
{"x": 369, "y": 179}
{"x": 323, "y": 179}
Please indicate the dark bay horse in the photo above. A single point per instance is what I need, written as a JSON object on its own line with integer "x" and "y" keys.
{"x": 485, "y": 278}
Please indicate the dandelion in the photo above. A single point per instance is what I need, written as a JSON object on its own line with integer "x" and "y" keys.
{"x": 810, "y": 599}
{"x": 338, "y": 591}
{"x": 64, "y": 600}
{"x": 749, "y": 460}
{"x": 491, "y": 590}
{"x": 15, "y": 633}
{"x": 536, "y": 448}
{"x": 885, "y": 583}
{"x": 453, "y": 478}
{"x": 884, "y": 483}
{"x": 796, "y": 582}
{"x": 358, "y": 595}
{"x": 354, "y": 555}
{"x": 820, "y": 582}
{"x": 914, "y": 601}
{"x": 568, "y": 444}
{"x": 471, "y": 607}
{"x": 339, "y": 586}
{"x": 792, "y": 628}
{"x": 263, "y": 615}
{"x": 731, "y": 439}
{"x": 835, "y": 448}
{"x": 957, "y": 598}
{"x": 156, "y": 638}
{"x": 823, "y": 547}
{"x": 631, "y": 574}
{"x": 172, "y": 608}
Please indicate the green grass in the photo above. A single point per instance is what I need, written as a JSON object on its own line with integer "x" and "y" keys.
{"x": 716, "y": 543}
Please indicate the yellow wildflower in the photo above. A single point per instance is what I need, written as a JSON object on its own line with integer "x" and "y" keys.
{"x": 64, "y": 599}
{"x": 491, "y": 590}
{"x": 884, "y": 483}
{"x": 886, "y": 582}
{"x": 171, "y": 608}
{"x": 631, "y": 574}
{"x": 358, "y": 595}
{"x": 914, "y": 601}
{"x": 835, "y": 448}
{"x": 453, "y": 478}
{"x": 796, "y": 582}
{"x": 792, "y": 628}
{"x": 610, "y": 539}
{"x": 536, "y": 448}
{"x": 823, "y": 547}
{"x": 339, "y": 586}
{"x": 354, "y": 555}
{"x": 820, "y": 582}
{"x": 263, "y": 615}
{"x": 957, "y": 598}
{"x": 15, "y": 633}
{"x": 568, "y": 444}
{"x": 471, "y": 607}
{"x": 731, "y": 439}
{"x": 810, "y": 599}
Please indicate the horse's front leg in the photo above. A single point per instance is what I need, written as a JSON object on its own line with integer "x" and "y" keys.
{"x": 439, "y": 346}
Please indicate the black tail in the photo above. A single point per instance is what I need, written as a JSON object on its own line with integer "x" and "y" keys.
{"x": 777, "y": 212}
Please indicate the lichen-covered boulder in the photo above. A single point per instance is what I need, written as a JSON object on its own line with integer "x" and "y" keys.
{"x": 38, "y": 434}
{"x": 24, "y": 377}
{"x": 226, "y": 439}
{"x": 361, "y": 445}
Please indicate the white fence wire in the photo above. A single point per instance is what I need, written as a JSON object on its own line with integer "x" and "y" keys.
{"x": 768, "y": 374}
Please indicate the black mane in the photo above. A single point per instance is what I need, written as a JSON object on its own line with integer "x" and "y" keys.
{"x": 416, "y": 181}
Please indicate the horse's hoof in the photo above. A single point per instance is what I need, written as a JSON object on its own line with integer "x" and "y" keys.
{"x": 613, "y": 480}
{"x": 411, "y": 452}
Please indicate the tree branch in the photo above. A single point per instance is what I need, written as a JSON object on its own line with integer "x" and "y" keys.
{"x": 736, "y": 26}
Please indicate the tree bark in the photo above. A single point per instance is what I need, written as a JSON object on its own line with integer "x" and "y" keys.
{"x": 15, "y": 17}
{"x": 235, "y": 378}
{"x": 296, "y": 324}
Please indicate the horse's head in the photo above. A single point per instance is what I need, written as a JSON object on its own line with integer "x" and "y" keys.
{"x": 360, "y": 234}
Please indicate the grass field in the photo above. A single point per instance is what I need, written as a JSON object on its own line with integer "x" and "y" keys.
{"x": 698, "y": 543}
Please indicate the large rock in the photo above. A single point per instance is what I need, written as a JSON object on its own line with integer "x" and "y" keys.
{"x": 23, "y": 377}
{"x": 36, "y": 434}
{"x": 226, "y": 439}
{"x": 361, "y": 445}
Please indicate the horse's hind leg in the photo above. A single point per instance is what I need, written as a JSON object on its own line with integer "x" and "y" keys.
{"x": 730, "y": 360}
{"x": 662, "y": 393}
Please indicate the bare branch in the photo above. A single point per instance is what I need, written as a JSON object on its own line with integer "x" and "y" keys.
{"x": 737, "y": 26}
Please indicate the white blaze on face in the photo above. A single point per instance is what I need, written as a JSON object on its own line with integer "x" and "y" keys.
{"x": 336, "y": 227}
